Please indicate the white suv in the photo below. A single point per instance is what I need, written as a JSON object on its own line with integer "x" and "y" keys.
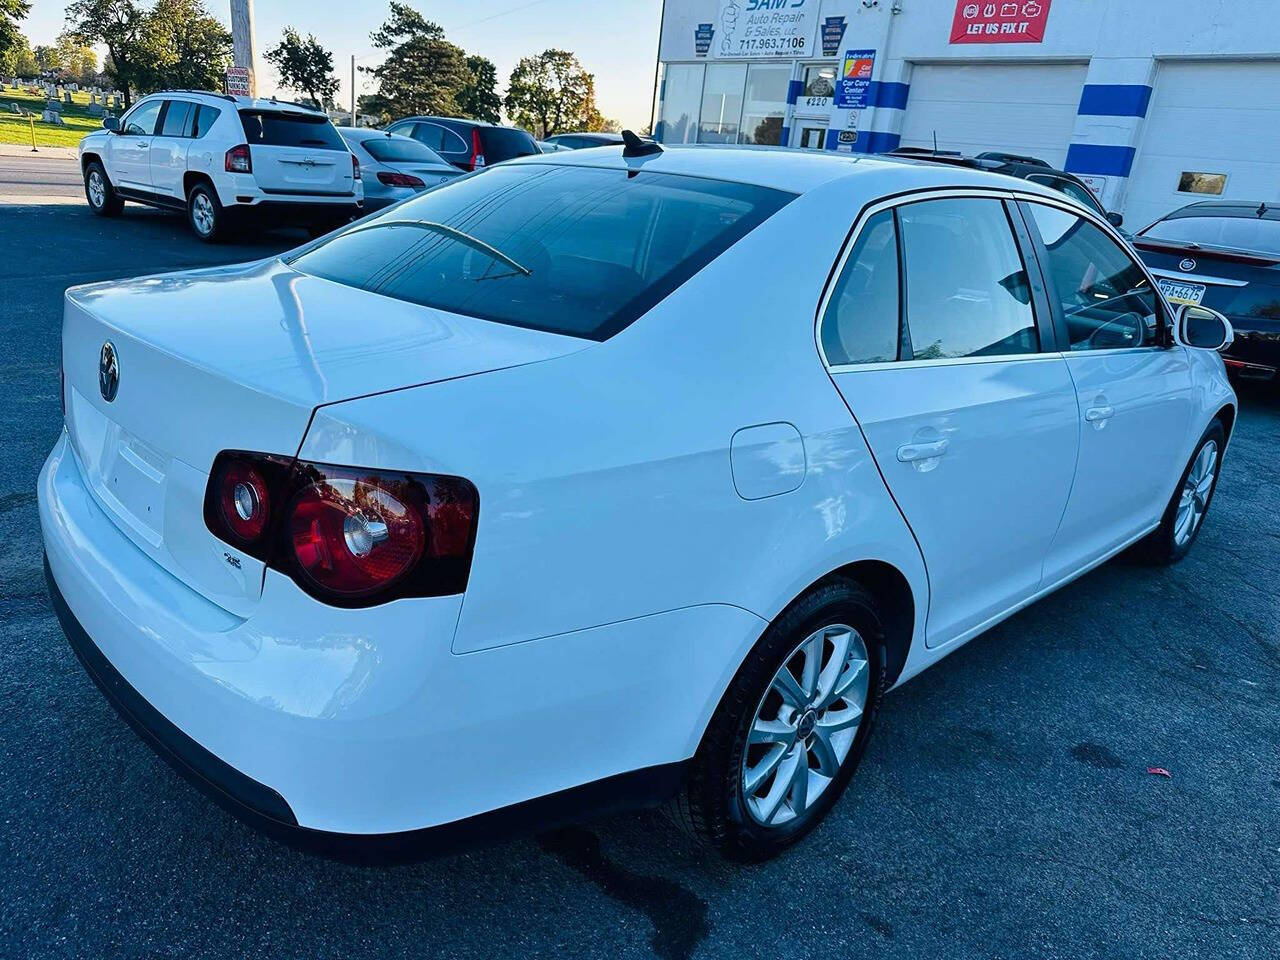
{"x": 213, "y": 155}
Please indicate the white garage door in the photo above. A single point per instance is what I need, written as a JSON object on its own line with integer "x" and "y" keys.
{"x": 1023, "y": 108}
{"x": 1210, "y": 118}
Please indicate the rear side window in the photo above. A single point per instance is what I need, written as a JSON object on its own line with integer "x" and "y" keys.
{"x": 205, "y": 118}
{"x": 968, "y": 294}
{"x": 278, "y": 128}
{"x": 862, "y": 320}
{"x": 1106, "y": 298}
{"x": 506, "y": 143}
{"x": 175, "y": 119}
{"x": 397, "y": 150}
{"x": 569, "y": 250}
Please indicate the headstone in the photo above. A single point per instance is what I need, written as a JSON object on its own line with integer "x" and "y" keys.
{"x": 95, "y": 110}
{"x": 14, "y": 108}
{"x": 66, "y": 97}
{"x": 52, "y": 116}
{"x": 53, "y": 105}
{"x": 117, "y": 101}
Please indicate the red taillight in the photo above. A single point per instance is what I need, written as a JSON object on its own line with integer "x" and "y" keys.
{"x": 238, "y": 160}
{"x": 399, "y": 180}
{"x": 351, "y": 537}
{"x": 355, "y": 167}
{"x": 477, "y": 150}
{"x": 244, "y": 502}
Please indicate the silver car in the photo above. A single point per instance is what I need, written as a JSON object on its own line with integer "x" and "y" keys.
{"x": 393, "y": 167}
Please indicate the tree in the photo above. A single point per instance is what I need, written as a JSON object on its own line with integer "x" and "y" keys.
{"x": 183, "y": 48}
{"x": 75, "y": 58}
{"x": 551, "y": 93}
{"x": 18, "y": 60}
{"x": 12, "y": 42}
{"x": 304, "y": 66}
{"x": 119, "y": 25}
{"x": 423, "y": 72}
{"x": 479, "y": 99}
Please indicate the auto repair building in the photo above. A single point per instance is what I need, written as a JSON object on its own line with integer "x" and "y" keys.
{"x": 1154, "y": 103}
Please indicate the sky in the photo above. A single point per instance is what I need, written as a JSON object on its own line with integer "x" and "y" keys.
{"x": 617, "y": 40}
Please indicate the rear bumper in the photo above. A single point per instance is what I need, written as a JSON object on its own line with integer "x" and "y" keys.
{"x": 359, "y": 732}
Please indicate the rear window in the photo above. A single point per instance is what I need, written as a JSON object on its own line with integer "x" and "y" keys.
{"x": 569, "y": 250}
{"x": 392, "y": 150}
{"x": 1237, "y": 233}
{"x": 505, "y": 143}
{"x": 277, "y": 128}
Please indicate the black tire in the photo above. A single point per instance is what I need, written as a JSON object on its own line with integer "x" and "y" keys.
{"x": 1162, "y": 545}
{"x": 97, "y": 184}
{"x": 711, "y": 806}
{"x": 205, "y": 214}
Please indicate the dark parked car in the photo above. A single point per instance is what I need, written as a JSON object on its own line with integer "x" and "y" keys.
{"x": 1024, "y": 168}
{"x": 1226, "y": 255}
{"x": 468, "y": 144}
{"x": 579, "y": 141}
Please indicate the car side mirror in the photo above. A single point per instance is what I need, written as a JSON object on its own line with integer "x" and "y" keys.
{"x": 111, "y": 123}
{"x": 1115, "y": 219}
{"x": 1204, "y": 328}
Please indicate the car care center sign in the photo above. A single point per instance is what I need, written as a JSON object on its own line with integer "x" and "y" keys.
{"x": 754, "y": 29}
{"x": 1000, "y": 21}
{"x": 854, "y": 85}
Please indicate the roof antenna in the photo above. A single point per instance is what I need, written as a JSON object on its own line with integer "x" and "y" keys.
{"x": 1262, "y": 209}
{"x": 635, "y": 147}
{"x": 935, "y": 141}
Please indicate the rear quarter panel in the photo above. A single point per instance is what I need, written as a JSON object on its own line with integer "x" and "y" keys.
{"x": 606, "y": 490}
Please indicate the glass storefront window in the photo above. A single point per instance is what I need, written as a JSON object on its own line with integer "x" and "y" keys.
{"x": 722, "y": 103}
{"x": 819, "y": 80}
{"x": 682, "y": 93}
{"x": 766, "y": 103}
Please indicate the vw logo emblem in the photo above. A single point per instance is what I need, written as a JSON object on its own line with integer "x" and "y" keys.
{"x": 1187, "y": 264}
{"x": 108, "y": 371}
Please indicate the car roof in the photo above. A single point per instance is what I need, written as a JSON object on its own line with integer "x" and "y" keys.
{"x": 1245, "y": 209}
{"x": 464, "y": 120}
{"x": 242, "y": 103}
{"x": 788, "y": 168}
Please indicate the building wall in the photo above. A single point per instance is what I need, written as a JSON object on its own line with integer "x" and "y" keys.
{"x": 1122, "y": 45}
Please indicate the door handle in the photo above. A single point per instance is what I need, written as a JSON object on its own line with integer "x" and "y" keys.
{"x": 912, "y": 452}
{"x": 1100, "y": 413}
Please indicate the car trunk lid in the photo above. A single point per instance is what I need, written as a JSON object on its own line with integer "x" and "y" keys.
{"x": 239, "y": 358}
{"x": 296, "y": 152}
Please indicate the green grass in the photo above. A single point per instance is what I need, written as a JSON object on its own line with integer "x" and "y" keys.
{"x": 16, "y": 129}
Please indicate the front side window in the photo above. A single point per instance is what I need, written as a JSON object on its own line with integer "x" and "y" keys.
{"x": 142, "y": 122}
{"x": 862, "y": 319}
{"x": 968, "y": 294}
{"x": 571, "y": 250}
{"x": 1105, "y": 295}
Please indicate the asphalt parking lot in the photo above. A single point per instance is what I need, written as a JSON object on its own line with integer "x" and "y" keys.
{"x": 1004, "y": 809}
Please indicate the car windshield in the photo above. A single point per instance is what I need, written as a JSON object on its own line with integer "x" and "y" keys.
{"x": 400, "y": 150}
{"x": 278, "y": 128}
{"x": 596, "y": 248}
{"x": 1235, "y": 233}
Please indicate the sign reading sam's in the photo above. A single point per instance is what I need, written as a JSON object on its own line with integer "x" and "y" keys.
{"x": 753, "y": 29}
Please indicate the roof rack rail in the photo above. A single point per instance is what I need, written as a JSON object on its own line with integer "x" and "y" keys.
{"x": 203, "y": 93}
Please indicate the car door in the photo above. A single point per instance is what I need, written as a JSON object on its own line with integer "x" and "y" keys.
{"x": 1132, "y": 382}
{"x": 131, "y": 148}
{"x": 169, "y": 149}
{"x": 933, "y": 337}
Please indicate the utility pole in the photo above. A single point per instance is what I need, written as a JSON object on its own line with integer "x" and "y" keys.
{"x": 242, "y": 49}
{"x": 353, "y": 91}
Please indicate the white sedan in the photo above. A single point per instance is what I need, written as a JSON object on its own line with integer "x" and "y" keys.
{"x": 606, "y": 479}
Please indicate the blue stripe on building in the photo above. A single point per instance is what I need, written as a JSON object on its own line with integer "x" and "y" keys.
{"x": 886, "y": 94}
{"x": 786, "y": 137}
{"x": 794, "y": 89}
{"x": 1099, "y": 160}
{"x": 1115, "y": 100}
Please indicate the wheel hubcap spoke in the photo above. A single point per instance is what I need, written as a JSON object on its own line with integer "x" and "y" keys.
{"x": 805, "y": 725}
{"x": 1193, "y": 502}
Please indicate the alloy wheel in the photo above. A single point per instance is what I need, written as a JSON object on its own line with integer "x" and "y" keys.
{"x": 97, "y": 189}
{"x": 202, "y": 213}
{"x": 805, "y": 725}
{"x": 1194, "y": 500}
